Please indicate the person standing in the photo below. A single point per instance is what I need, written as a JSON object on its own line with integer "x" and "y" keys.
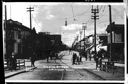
{"x": 85, "y": 54}
{"x": 32, "y": 58}
{"x": 81, "y": 57}
{"x": 96, "y": 59}
{"x": 100, "y": 57}
{"x": 73, "y": 58}
{"x": 89, "y": 55}
{"x": 78, "y": 58}
{"x": 13, "y": 63}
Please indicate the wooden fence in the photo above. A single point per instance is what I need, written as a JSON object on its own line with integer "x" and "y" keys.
{"x": 19, "y": 62}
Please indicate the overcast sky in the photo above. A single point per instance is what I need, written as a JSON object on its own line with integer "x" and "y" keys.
{"x": 50, "y": 17}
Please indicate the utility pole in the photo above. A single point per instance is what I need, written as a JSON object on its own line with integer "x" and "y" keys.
{"x": 80, "y": 39}
{"x": 95, "y": 17}
{"x": 5, "y": 29}
{"x": 5, "y": 22}
{"x": 84, "y": 27}
{"x": 110, "y": 23}
{"x": 30, "y": 9}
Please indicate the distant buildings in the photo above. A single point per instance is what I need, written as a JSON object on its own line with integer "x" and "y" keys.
{"x": 103, "y": 42}
{"x": 80, "y": 45}
{"x": 48, "y": 43}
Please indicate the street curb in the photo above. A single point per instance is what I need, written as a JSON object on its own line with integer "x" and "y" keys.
{"x": 89, "y": 72}
{"x": 22, "y": 71}
{"x": 14, "y": 74}
{"x": 94, "y": 74}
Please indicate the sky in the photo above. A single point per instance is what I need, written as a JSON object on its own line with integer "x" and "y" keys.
{"x": 51, "y": 17}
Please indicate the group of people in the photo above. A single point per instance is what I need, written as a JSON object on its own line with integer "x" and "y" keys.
{"x": 98, "y": 56}
{"x": 76, "y": 59}
{"x": 12, "y": 61}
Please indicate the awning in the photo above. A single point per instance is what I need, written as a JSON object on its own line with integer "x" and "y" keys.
{"x": 99, "y": 47}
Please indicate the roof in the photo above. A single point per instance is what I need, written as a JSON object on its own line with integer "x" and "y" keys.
{"x": 12, "y": 24}
{"x": 118, "y": 28}
{"x": 103, "y": 34}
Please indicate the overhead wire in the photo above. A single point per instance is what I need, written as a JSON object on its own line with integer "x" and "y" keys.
{"x": 83, "y": 13}
{"x": 117, "y": 12}
{"x": 102, "y": 14}
{"x": 77, "y": 15}
{"x": 73, "y": 13}
{"x": 89, "y": 20}
{"x": 35, "y": 21}
{"x": 114, "y": 17}
{"x": 103, "y": 9}
{"x": 100, "y": 8}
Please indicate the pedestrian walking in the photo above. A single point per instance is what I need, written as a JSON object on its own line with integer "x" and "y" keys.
{"x": 74, "y": 58}
{"x": 81, "y": 59}
{"x": 80, "y": 56}
{"x": 78, "y": 59}
{"x": 90, "y": 57}
{"x": 100, "y": 57}
{"x": 96, "y": 59}
{"x": 85, "y": 54}
{"x": 33, "y": 59}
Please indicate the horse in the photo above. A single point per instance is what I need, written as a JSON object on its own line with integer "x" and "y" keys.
{"x": 53, "y": 56}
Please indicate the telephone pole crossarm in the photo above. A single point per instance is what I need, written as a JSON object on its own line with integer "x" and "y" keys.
{"x": 30, "y": 9}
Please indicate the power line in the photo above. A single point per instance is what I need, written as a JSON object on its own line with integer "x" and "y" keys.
{"x": 78, "y": 15}
{"x": 35, "y": 21}
{"x": 117, "y": 13}
{"x": 101, "y": 16}
{"x": 114, "y": 17}
{"x": 83, "y": 13}
{"x": 73, "y": 13}
{"x": 100, "y": 21}
{"x": 10, "y": 11}
{"x": 102, "y": 12}
{"x": 100, "y": 8}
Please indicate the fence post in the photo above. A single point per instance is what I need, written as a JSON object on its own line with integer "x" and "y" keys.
{"x": 19, "y": 63}
{"x": 24, "y": 62}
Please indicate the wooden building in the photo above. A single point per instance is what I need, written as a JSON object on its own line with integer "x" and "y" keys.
{"x": 117, "y": 44}
{"x": 18, "y": 39}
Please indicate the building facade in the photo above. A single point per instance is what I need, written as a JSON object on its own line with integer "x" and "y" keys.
{"x": 117, "y": 44}
{"x": 17, "y": 39}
